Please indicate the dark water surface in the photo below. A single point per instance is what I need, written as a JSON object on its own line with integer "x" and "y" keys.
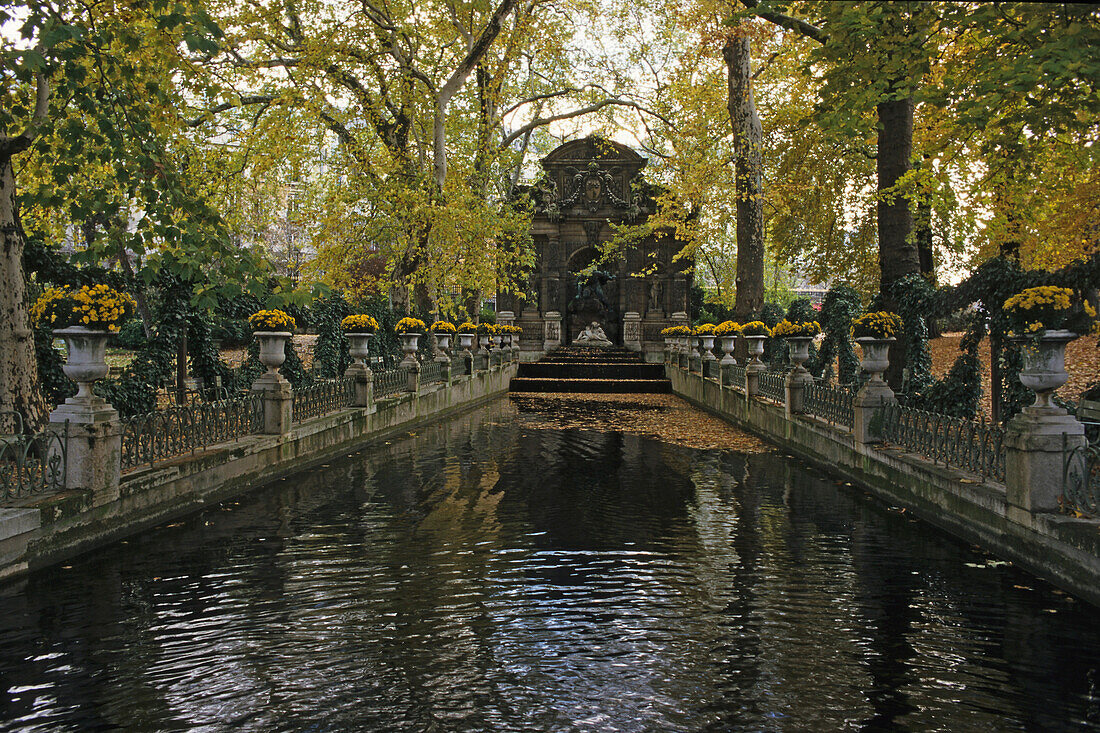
{"x": 493, "y": 574}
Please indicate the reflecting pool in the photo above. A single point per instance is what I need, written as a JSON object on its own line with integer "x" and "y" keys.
{"x": 509, "y": 571}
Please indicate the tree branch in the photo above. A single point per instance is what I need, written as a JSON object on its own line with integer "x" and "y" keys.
{"x": 10, "y": 145}
{"x": 543, "y": 121}
{"x": 244, "y": 101}
{"x": 786, "y": 21}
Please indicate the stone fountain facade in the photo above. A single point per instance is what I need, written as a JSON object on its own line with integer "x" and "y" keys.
{"x": 588, "y": 185}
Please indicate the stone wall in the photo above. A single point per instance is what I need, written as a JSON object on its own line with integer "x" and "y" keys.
{"x": 49, "y": 529}
{"x": 1060, "y": 548}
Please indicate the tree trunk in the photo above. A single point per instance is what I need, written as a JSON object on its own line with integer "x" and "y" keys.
{"x": 749, "y": 171}
{"x": 897, "y": 250}
{"x": 18, "y": 367}
{"x": 898, "y": 255}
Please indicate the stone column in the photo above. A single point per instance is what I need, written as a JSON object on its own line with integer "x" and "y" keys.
{"x": 93, "y": 453}
{"x": 680, "y": 318}
{"x": 870, "y": 399}
{"x": 278, "y": 399}
{"x": 632, "y": 330}
{"x": 362, "y": 387}
{"x": 551, "y": 331}
{"x": 796, "y": 389}
{"x": 1035, "y": 441}
{"x": 412, "y": 372}
{"x": 753, "y": 370}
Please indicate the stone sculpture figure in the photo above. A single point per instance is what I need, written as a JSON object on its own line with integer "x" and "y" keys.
{"x": 592, "y": 335}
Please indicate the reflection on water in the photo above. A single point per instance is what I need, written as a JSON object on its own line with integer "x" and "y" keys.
{"x": 494, "y": 574}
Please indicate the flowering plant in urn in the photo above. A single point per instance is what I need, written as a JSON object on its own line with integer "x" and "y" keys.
{"x": 94, "y": 307}
{"x": 1048, "y": 308}
{"x": 410, "y": 325}
{"x": 443, "y": 327}
{"x": 878, "y": 325}
{"x": 359, "y": 323}
{"x": 725, "y": 329}
{"x": 755, "y": 328}
{"x": 467, "y": 327}
{"x": 789, "y": 329}
{"x": 271, "y": 320}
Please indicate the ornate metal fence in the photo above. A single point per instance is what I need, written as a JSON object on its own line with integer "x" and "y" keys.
{"x": 156, "y": 436}
{"x": 737, "y": 376}
{"x": 31, "y": 464}
{"x": 390, "y": 382}
{"x": 321, "y": 398}
{"x": 832, "y": 404}
{"x": 773, "y": 385}
{"x": 1081, "y": 478}
{"x": 952, "y": 441}
{"x": 431, "y": 371}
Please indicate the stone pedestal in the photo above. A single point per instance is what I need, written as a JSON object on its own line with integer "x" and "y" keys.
{"x": 753, "y": 370}
{"x": 412, "y": 373}
{"x": 278, "y": 399}
{"x": 865, "y": 405}
{"x": 1034, "y": 443}
{"x": 797, "y": 381}
{"x": 362, "y": 388}
{"x": 93, "y": 454}
{"x": 506, "y": 318}
{"x": 632, "y": 331}
{"x": 551, "y": 331}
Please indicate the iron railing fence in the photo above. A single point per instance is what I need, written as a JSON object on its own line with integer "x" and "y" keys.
{"x": 972, "y": 446}
{"x": 390, "y": 382}
{"x": 737, "y": 376}
{"x": 321, "y": 398}
{"x": 1081, "y": 477}
{"x": 157, "y": 436}
{"x": 431, "y": 371}
{"x": 31, "y": 463}
{"x": 773, "y": 385}
{"x": 832, "y": 404}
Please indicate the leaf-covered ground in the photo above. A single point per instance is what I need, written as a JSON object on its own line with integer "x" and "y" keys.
{"x": 664, "y": 417}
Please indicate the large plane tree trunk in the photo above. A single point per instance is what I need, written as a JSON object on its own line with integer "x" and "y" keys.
{"x": 18, "y": 367}
{"x": 749, "y": 170}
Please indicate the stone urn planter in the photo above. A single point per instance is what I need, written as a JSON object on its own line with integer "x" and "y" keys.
{"x": 87, "y": 360}
{"x": 466, "y": 341}
{"x": 409, "y": 344}
{"x": 359, "y": 346}
{"x": 498, "y": 339}
{"x": 1044, "y": 364}
{"x": 486, "y": 342}
{"x": 756, "y": 348}
{"x": 708, "y": 347}
{"x": 443, "y": 344}
{"x": 272, "y": 348}
{"x": 728, "y": 344}
{"x": 800, "y": 352}
{"x": 876, "y": 356}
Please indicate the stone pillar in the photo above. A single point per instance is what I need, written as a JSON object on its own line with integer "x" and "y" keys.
{"x": 797, "y": 381}
{"x": 753, "y": 370}
{"x": 551, "y": 331}
{"x": 632, "y": 331}
{"x": 412, "y": 372}
{"x": 362, "y": 386}
{"x": 1035, "y": 441}
{"x": 93, "y": 440}
{"x": 278, "y": 399}
{"x": 868, "y": 402}
{"x": 506, "y": 318}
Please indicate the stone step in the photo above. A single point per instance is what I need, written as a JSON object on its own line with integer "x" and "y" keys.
{"x": 542, "y": 384}
{"x": 589, "y": 370}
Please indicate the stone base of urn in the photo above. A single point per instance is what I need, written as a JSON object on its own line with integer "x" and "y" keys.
{"x": 1034, "y": 443}
{"x": 278, "y": 398}
{"x": 362, "y": 385}
{"x": 93, "y": 451}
